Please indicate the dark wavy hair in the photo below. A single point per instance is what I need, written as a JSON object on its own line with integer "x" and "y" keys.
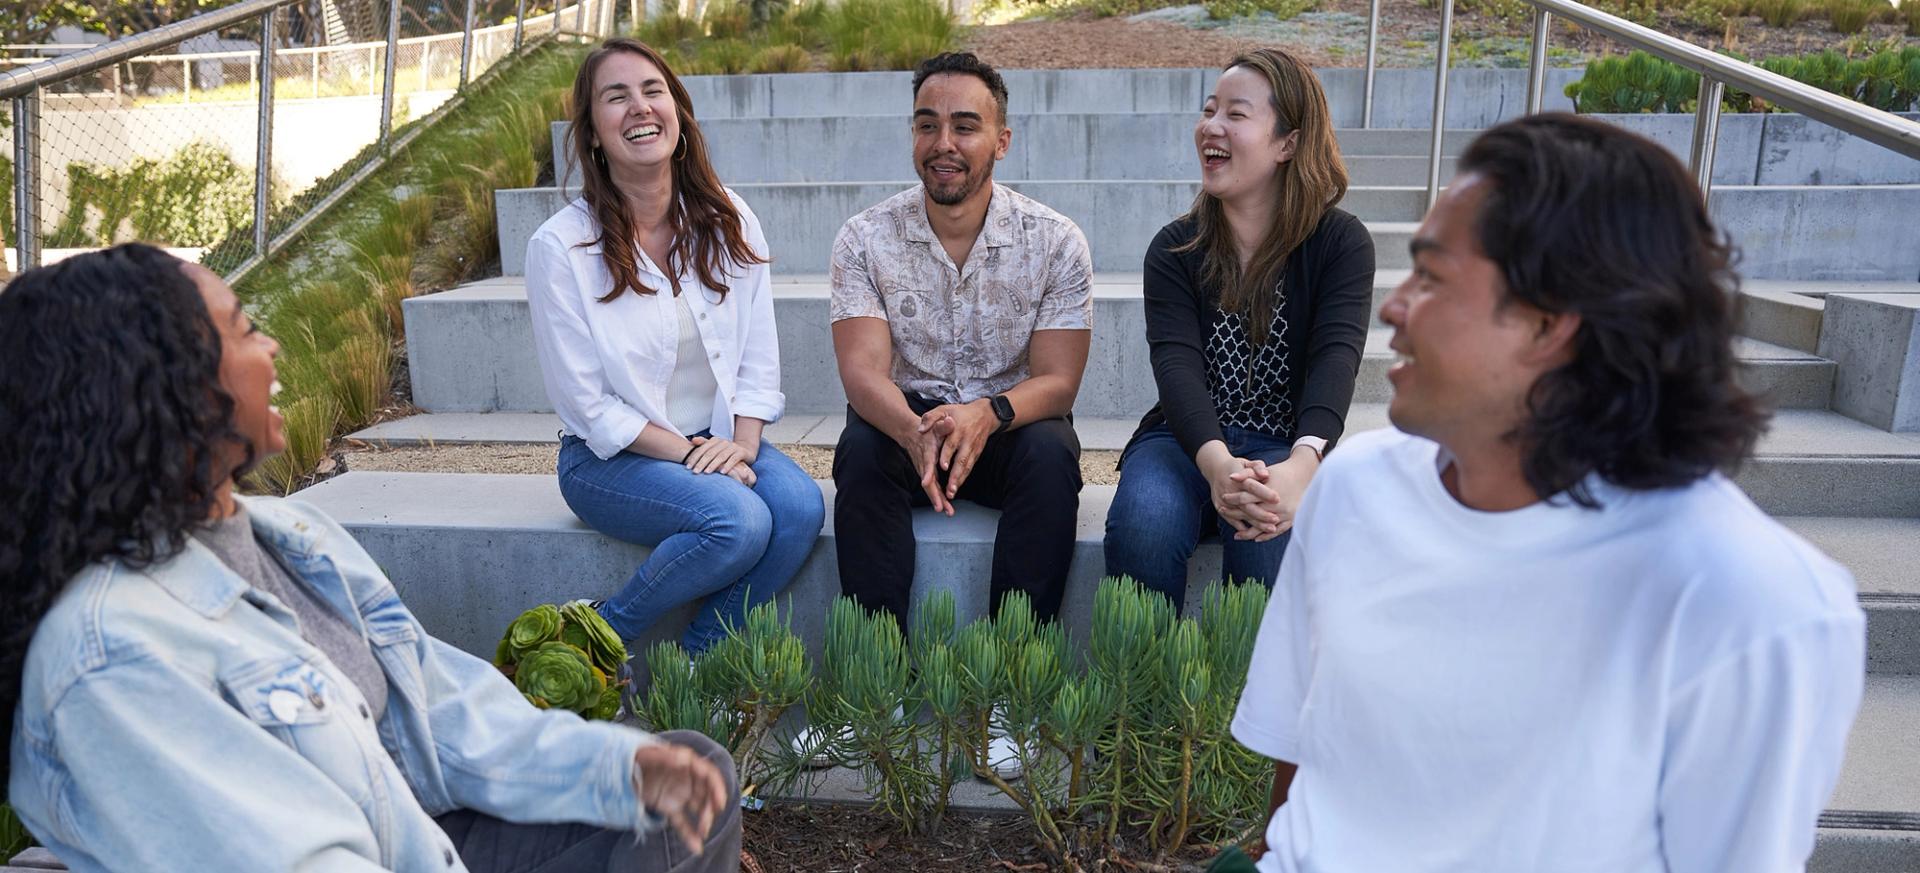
{"x": 1583, "y": 217}
{"x": 964, "y": 64}
{"x": 115, "y": 426}
{"x": 708, "y": 232}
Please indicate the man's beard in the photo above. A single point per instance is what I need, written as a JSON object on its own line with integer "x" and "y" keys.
{"x": 954, "y": 193}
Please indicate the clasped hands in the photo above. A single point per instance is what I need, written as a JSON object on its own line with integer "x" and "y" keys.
{"x": 949, "y": 438}
{"x": 718, "y": 455}
{"x": 1257, "y": 500}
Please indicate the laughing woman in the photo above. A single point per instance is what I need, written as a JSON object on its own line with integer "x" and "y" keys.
{"x": 1256, "y": 308}
{"x": 191, "y": 679}
{"x": 653, "y": 319}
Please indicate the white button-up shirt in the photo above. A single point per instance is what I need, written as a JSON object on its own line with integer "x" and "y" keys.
{"x": 607, "y": 365}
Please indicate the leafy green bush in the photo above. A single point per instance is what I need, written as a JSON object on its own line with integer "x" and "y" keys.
{"x": 1888, "y": 80}
{"x": 190, "y": 198}
{"x": 1638, "y": 82}
{"x": 723, "y": 56}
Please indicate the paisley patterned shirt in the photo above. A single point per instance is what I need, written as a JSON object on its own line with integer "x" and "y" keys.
{"x": 962, "y": 334}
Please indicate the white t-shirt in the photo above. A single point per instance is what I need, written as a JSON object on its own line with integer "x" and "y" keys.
{"x": 1664, "y": 684}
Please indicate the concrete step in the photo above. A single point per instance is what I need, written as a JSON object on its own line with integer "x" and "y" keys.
{"x": 844, "y": 146}
{"x": 471, "y": 350}
{"x": 469, "y": 551}
{"x": 1810, "y": 463}
{"x": 1795, "y": 232}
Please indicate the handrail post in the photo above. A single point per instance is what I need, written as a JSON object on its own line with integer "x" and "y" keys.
{"x": 263, "y": 154}
{"x": 466, "y": 45}
{"x": 26, "y": 180}
{"x": 1439, "y": 101}
{"x": 386, "y": 85}
{"x": 1706, "y": 132}
{"x": 1537, "y": 63}
{"x": 1373, "y": 60}
{"x": 579, "y": 16}
{"x": 519, "y": 23}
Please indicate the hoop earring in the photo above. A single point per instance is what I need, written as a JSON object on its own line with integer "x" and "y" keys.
{"x": 681, "y": 152}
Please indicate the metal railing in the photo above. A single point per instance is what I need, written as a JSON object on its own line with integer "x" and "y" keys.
{"x": 26, "y": 87}
{"x": 1716, "y": 73}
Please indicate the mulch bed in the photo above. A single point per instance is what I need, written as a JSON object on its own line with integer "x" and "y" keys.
{"x": 837, "y": 838}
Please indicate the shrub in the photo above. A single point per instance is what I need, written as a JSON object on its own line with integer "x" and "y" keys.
{"x": 308, "y": 425}
{"x": 1780, "y": 13}
{"x": 667, "y": 31}
{"x": 787, "y": 58}
{"x": 193, "y": 197}
{"x": 1852, "y": 16}
{"x": 724, "y": 56}
{"x": 1283, "y": 10}
{"x": 1636, "y": 83}
{"x": 1910, "y": 11}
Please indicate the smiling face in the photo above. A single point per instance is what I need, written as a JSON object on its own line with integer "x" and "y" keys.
{"x": 1239, "y": 150}
{"x": 1466, "y": 355}
{"x": 635, "y": 122}
{"x": 957, "y": 137}
{"x": 246, "y": 369}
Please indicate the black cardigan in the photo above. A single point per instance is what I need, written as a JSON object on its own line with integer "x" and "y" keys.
{"x": 1328, "y": 300}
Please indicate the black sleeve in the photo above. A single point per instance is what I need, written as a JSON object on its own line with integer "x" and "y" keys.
{"x": 1338, "y": 338}
{"x": 1173, "y": 315}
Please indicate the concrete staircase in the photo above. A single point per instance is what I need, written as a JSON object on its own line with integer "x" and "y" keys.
{"x": 1832, "y": 338}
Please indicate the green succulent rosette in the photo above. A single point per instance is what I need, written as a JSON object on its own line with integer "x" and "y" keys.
{"x": 534, "y": 627}
{"x": 587, "y": 630}
{"x": 609, "y": 705}
{"x": 559, "y": 676}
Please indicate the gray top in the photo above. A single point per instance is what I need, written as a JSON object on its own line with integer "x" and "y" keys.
{"x": 232, "y": 540}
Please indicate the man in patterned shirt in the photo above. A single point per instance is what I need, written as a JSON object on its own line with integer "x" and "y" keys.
{"x": 962, "y": 314}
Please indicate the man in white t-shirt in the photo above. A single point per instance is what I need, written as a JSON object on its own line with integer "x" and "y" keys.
{"x": 1535, "y": 628}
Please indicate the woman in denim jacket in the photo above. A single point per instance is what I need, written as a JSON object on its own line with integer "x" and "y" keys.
{"x": 195, "y": 680}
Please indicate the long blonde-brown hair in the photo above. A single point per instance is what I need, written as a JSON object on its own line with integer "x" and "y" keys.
{"x": 707, "y": 230}
{"x": 1308, "y": 185}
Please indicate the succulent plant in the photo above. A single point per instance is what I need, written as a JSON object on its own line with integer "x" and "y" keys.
{"x": 559, "y": 676}
{"x": 535, "y": 626}
{"x": 588, "y": 631}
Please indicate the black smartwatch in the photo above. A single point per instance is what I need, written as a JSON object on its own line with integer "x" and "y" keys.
{"x": 1003, "y": 410}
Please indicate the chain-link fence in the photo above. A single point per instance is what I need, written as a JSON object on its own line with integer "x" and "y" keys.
{"x": 222, "y": 135}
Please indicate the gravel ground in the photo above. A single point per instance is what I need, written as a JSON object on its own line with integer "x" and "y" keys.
{"x": 1097, "y": 467}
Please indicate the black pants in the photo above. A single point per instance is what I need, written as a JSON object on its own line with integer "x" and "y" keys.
{"x": 490, "y": 845}
{"x": 1032, "y": 475}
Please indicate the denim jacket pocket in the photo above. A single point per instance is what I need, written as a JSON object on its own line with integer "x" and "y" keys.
{"x": 295, "y": 699}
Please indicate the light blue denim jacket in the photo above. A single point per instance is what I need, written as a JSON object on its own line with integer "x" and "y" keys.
{"x": 173, "y": 718}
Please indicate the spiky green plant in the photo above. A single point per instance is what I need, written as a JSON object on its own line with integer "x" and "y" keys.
{"x": 860, "y": 704}
{"x": 760, "y": 670}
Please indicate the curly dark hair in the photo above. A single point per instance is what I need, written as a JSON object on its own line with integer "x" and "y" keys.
{"x": 966, "y": 64}
{"x": 1587, "y": 218}
{"x": 115, "y": 426}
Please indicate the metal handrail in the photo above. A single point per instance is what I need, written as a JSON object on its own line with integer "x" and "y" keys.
{"x": 1716, "y": 71}
{"x": 16, "y": 83}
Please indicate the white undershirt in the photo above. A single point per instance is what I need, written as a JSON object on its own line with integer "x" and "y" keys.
{"x": 691, "y": 391}
{"x": 1662, "y": 685}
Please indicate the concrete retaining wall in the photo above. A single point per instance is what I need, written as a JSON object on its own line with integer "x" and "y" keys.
{"x": 1752, "y": 149}
{"x": 1402, "y": 98}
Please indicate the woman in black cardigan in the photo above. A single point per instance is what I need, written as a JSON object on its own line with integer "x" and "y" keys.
{"x": 1256, "y": 307}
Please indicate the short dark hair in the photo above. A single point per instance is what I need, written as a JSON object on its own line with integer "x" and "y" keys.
{"x": 966, "y": 64}
{"x": 1584, "y": 217}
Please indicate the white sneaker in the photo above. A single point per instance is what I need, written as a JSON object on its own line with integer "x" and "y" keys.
{"x": 1003, "y": 756}
{"x": 811, "y": 737}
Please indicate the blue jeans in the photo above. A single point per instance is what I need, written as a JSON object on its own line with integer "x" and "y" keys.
{"x": 1164, "y": 506}
{"x": 712, "y": 536}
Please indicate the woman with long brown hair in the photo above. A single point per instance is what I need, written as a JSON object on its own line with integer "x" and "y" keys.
{"x": 1256, "y": 312}
{"x": 653, "y": 319}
